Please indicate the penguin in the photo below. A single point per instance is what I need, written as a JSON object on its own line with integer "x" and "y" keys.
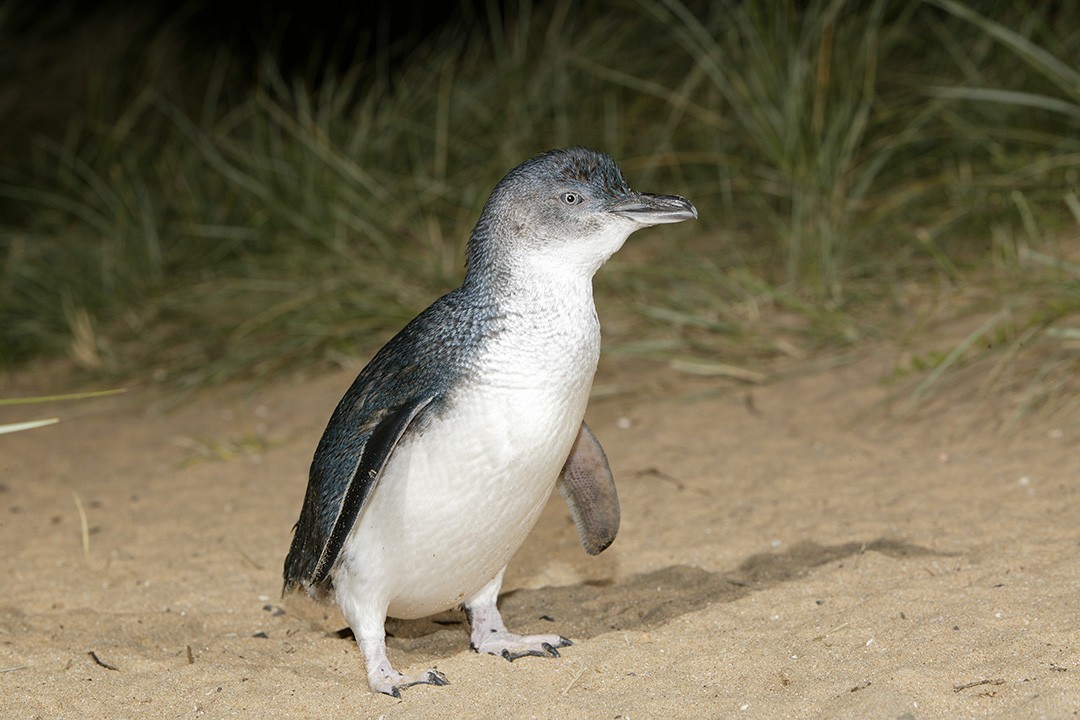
{"x": 440, "y": 457}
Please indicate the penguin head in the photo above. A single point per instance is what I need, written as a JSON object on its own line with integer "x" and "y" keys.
{"x": 566, "y": 210}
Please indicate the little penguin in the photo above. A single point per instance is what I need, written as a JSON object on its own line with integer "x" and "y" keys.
{"x": 444, "y": 451}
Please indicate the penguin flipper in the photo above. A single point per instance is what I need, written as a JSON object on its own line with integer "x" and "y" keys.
{"x": 380, "y": 433}
{"x": 589, "y": 489}
{"x": 377, "y": 450}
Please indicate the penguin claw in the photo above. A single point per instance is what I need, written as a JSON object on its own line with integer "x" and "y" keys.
{"x": 514, "y": 647}
{"x": 394, "y": 685}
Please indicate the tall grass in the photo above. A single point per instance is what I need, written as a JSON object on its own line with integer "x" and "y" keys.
{"x": 801, "y": 87}
{"x": 243, "y": 221}
{"x": 287, "y": 224}
{"x": 1024, "y": 107}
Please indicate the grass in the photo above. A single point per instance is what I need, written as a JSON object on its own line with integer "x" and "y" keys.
{"x": 11, "y": 427}
{"x": 1023, "y": 356}
{"x": 1019, "y": 354}
{"x": 206, "y": 219}
{"x": 250, "y": 447}
{"x": 801, "y": 93}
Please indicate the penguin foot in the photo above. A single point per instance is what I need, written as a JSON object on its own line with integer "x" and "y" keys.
{"x": 489, "y": 634}
{"x": 512, "y": 646}
{"x": 392, "y": 682}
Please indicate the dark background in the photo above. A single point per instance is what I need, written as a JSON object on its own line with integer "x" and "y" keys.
{"x": 56, "y": 46}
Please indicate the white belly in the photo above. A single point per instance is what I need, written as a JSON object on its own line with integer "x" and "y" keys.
{"x": 457, "y": 500}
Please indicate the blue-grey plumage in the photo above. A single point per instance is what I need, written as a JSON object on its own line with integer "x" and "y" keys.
{"x": 441, "y": 455}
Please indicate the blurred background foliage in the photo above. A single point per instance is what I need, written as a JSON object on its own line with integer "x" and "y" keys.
{"x": 188, "y": 206}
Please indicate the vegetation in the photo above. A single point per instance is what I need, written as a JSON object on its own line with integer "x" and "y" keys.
{"x": 200, "y": 219}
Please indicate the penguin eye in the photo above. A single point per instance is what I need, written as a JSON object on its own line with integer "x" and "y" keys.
{"x": 571, "y": 198}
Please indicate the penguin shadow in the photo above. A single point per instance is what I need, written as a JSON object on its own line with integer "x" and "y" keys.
{"x": 637, "y": 602}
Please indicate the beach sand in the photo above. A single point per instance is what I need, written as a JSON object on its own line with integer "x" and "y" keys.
{"x": 787, "y": 550}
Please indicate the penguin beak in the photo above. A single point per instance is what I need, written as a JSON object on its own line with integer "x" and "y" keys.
{"x": 648, "y": 209}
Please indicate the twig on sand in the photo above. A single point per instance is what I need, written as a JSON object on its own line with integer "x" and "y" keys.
{"x": 976, "y": 683}
{"x": 574, "y": 680}
{"x": 85, "y": 526}
{"x": 827, "y": 633}
{"x": 101, "y": 663}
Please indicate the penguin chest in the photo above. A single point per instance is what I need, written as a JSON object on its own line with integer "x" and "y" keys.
{"x": 459, "y": 496}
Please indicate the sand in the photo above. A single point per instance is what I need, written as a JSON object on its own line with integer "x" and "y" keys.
{"x": 786, "y": 551}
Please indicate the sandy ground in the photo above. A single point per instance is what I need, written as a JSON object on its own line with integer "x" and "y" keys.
{"x": 782, "y": 555}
